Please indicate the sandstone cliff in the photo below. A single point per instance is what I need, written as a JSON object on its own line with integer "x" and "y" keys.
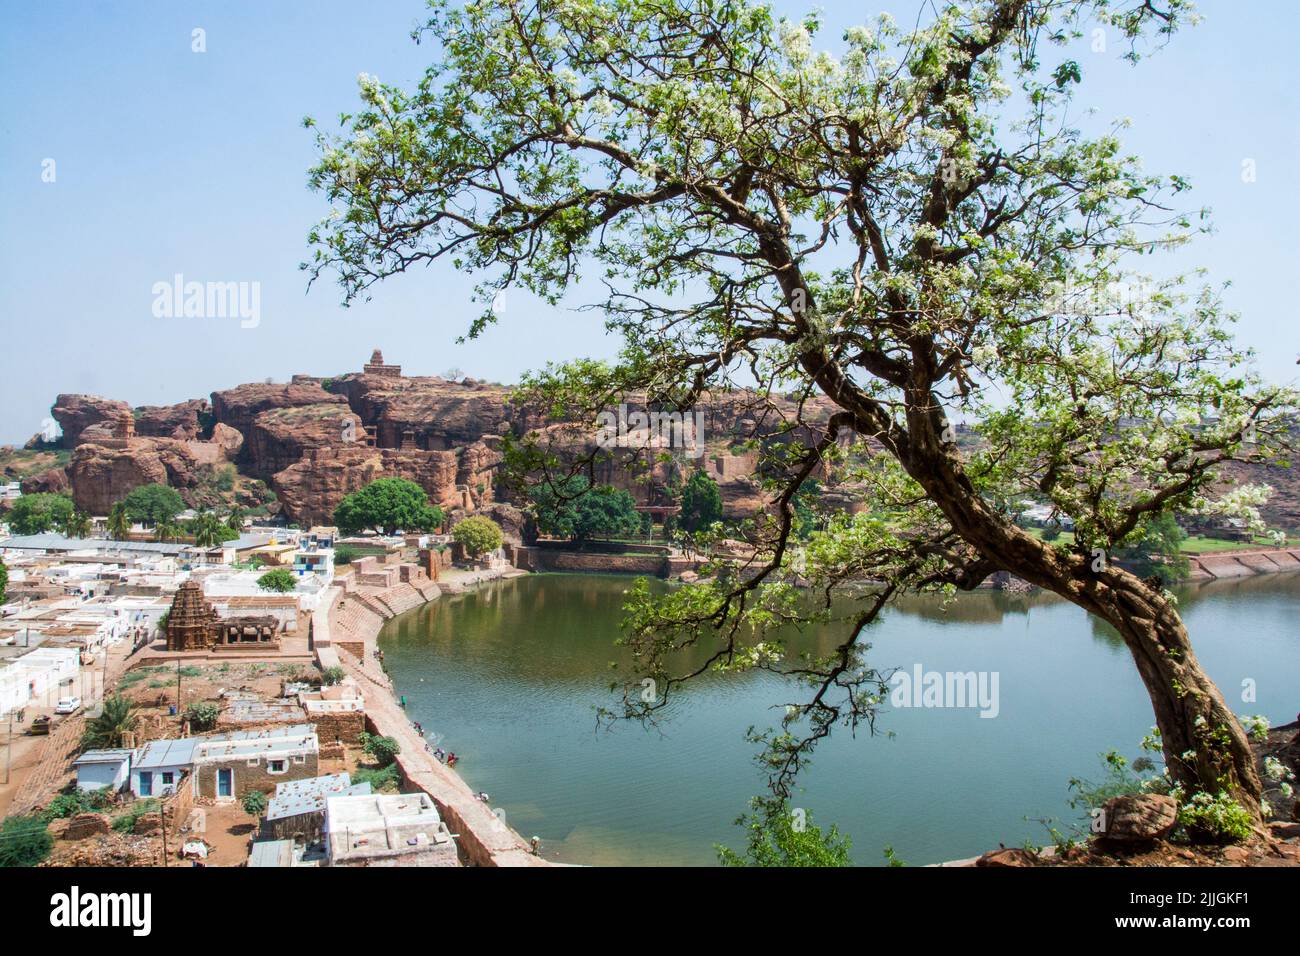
{"x": 76, "y": 413}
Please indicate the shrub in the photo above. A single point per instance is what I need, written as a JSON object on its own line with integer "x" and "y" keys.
{"x": 383, "y": 749}
{"x": 254, "y": 803}
{"x": 384, "y": 779}
{"x": 202, "y": 716}
{"x": 24, "y": 841}
{"x": 333, "y": 675}
{"x": 1216, "y": 816}
{"x": 127, "y": 821}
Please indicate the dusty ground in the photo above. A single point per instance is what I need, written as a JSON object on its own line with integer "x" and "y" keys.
{"x": 152, "y": 687}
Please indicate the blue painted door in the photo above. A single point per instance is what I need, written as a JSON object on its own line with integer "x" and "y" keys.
{"x": 225, "y": 783}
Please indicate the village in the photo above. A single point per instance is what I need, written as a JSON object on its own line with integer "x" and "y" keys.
{"x": 161, "y": 708}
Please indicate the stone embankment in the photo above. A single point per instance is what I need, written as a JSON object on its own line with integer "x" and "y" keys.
{"x": 1240, "y": 564}
{"x": 344, "y": 633}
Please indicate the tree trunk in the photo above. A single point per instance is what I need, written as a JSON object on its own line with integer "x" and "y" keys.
{"x": 1205, "y": 747}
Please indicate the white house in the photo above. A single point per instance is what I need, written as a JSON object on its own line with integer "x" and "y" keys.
{"x": 38, "y": 677}
{"x": 97, "y": 769}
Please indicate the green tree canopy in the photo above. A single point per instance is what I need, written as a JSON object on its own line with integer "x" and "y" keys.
{"x": 281, "y": 580}
{"x": 570, "y": 507}
{"x": 388, "y": 505}
{"x": 478, "y": 535}
{"x": 153, "y": 504}
{"x": 908, "y": 231}
{"x": 1156, "y": 549}
{"x": 209, "y": 530}
{"x": 701, "y": 503}
{"x": 4, "y": 580}
{"x": 38, "y": 513}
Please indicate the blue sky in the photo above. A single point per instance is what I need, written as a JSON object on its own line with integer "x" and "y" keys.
{"x": 169, "y": 161}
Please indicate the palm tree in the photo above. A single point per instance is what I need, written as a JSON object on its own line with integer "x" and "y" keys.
{"x": 77, "y": 524}
{"x": 235, "y": 520}
{"x": 119, "y": 524}
{"x": 109, "y": 729}
{"x": 207, "y": 530}
{"x": 166, "y": 530}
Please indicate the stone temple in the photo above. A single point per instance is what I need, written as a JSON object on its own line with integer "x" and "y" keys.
{"x": 194, "y": 625}
{"x": 376, "y": 366}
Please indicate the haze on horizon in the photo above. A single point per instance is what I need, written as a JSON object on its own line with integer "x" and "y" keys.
{"x": 168, "y": 161}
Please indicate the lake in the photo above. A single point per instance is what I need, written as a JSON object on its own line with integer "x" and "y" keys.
{"x": 508, "y": 677}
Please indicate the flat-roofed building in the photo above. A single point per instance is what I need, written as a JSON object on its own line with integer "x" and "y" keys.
{"x": 387, "y": 829}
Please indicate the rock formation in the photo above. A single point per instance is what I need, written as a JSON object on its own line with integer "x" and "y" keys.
{"x": 278, "y": 437}
{"x": 76, "y": 413}
{"x": 182, "y": 421}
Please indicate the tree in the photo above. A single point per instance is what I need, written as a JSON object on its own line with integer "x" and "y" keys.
{"x": 167, "y": 531}
{"x": 477, "y": 535}
{"x": 890, "y": 238}
{"x": 780, "y": 836}
{"x": 25, "y": 841}
{"x": 77, "y": 524}
{"x": 280, "y": 580}
{"x": 209, "y": 531}
{"x": 701, "y": 503}
{"x": 4, "y": 580}
{"x": 254, "y": 803}
{"x": 235, "y": 520}
{"x": 38, "y": 513}
{"x": 153, "y": 504}
{"x": 119, "y": 522}
{"x": 570, "y": 508}
{"x": 388, "y": 505}
{"x": 109, "y": 730}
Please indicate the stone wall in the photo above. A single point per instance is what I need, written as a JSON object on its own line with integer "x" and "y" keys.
{"x": 586, "y": 562}
{"x": 1240, "y": 564}
{"x": 346, "y": 727}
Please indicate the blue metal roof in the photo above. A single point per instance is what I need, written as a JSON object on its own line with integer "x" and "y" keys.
{"x": 102, "y": 756}
{"x": 166, "y": 753}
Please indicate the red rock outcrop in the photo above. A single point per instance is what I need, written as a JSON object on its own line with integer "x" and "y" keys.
{"x": 237, "y": 407}
{"x": 181, "y": 421}
{"x": 102, "y": 474}
{"x": 311, "y": 489}
{"x": 76, "y": 413}
{"x": 439, "y": 414}
{"x": 54, "y": 480}
{"x": 278, "y": 437}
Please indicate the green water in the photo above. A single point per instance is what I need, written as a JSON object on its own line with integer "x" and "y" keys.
{"x": 508, "y": 678}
